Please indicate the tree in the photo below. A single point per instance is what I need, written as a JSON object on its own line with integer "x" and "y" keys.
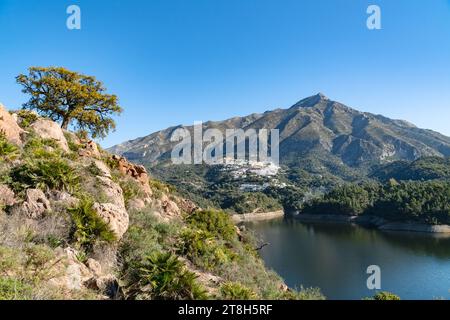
{"x": 70, "y": 98}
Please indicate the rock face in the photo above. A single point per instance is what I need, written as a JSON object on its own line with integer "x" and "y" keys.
{"x": 9, "y": 127}
{"x": 74, "y": 275}
{"x": 135, "y": 204}
{"x": 188, "y": 206}
{"x": 134, "y": 171}
{"x": 36, "y": 204}
{"x": 89, "y": 149}
{"x": 7, "y": 197}
{"x": 103, "y": 169}
{"x": 48, "y": 129}
{"x": 168, "y": 208}
{"x": 111, "y": 190}
{"x": 115, "y": 216}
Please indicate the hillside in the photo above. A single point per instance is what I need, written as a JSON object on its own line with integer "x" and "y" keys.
{"x": 323, "y": 143}
{"x": 77, "y": 222}
{"x": 317, "y": 128}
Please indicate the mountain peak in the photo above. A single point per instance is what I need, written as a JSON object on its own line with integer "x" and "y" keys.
{"x": 311, "y": 101}
{"x": 320, "y": 95}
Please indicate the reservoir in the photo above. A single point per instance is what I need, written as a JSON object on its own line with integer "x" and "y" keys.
{"x": 335, "y": 257}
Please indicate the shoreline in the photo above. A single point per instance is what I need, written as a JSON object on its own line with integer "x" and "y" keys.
{"x": 375, "y": 222}
{"x": 246, "y": 217}
{"x": 365, "y": 221}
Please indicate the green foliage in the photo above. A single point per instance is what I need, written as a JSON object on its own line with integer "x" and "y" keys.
{"x": 348, "y": 199}
{"x": 14, "y": 289}
{"x": 131, "y": 189}
{"x": 291, "y": 197}
{"x": 215, "y": 223}
{"x": 162, "y": 276}
{"x": 146, "y": 234}
{"x": 204, "y": 249}
{"x": 384, "y": 295}
{"x": 160, "y": 188}
{"x": 26, "y": 117}
{"x": 74, "y": 146}
{"x": 422, "y": 169}
{"x": 425, "y": 202}
{"x": 303, "y": 294}
{"x": 236, "y": 291}
{"x": 208, "y": 239}
{"x": 37, "y": 147}
{"x": 8, "y": 151}
{"x": 88, "y": 227}
{"x": 246, "y": 202}
{"x": 45, "y": 173}
{"x": 70, "y": 97}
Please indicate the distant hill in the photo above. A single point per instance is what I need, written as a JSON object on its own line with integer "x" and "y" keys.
{"x": 423, "y": 169}
{"x": 318, "y": 135}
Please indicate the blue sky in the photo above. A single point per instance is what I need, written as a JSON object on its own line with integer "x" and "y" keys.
{"x": 176, "y": 61}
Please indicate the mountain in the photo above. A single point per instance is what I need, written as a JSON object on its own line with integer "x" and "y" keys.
{"x": 318, "y": 135}
{"x": 323, "y": 144}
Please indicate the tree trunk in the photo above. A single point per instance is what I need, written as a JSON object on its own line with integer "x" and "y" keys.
{"x": 65, "y": 123}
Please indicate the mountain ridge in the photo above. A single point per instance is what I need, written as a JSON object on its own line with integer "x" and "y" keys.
{"x": 318, "y": 128}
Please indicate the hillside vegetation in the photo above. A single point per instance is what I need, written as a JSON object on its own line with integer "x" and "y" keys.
{"x": 79, "y": 223}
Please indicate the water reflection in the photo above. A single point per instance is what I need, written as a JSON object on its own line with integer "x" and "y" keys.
{"x": 334, "y": 257}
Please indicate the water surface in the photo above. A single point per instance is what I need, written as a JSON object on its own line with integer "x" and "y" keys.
{"x": 335, "y": 257}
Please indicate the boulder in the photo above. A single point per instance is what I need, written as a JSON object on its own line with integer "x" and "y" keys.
{"x": 188, "y": 206}
{"x": 36, "y": 204}
{"x": 111, "y": 190}
{"x": 135, "y": 204}
{"x": 134, "y": 171}
{"x": 103, "y": 169}
{"x": 9, "y": 127}
{"x": 70, "y": 272}
{"x": 7, "y": 197}
{"x": 89, "y": 149}
{"x": 48, "y": 129}
{"x": 108, "y": 285}
{"x": 167, "y": 207}
{"x": 115, "y": 216}
{"x": 94, "y": 266}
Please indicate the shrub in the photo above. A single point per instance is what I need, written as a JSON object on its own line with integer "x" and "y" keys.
{"x": 131, "y": 189}
{"x": 384, "y": 295}
{"x": 73, "y": 145}
{"x": 236, "y": 291}
{"x": 50, "y": 173}
{"x": 37, "y": 147}
{"x": 203, "y": 249}
{"x": 303, "y": 294}
{"x": 8, "y": 151}
{"x": 163, "y": 277}
{"x": 88, "y": 227}
{"x": 36, "y": 258}
{"x": 14, "y": 289}
{"x": 9, "y": 260}
{"x": 26, "y": 117}
{"x": 216, "y": 223}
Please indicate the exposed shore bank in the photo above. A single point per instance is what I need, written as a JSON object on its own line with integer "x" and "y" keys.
{"x": 375, "y": 222}
{"x": 245, "y": 217}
